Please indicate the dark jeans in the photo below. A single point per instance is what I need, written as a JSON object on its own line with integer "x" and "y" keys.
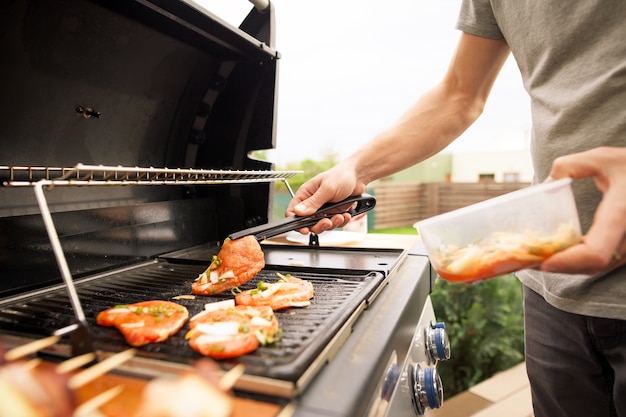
{"x": 576, "y": 364}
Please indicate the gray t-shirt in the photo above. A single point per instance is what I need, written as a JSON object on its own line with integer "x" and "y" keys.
{"x": 572, "y": 57}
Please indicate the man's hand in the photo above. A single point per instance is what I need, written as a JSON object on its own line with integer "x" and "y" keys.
{"x": 604, "y": 246}
{"x": 336, "y": 184}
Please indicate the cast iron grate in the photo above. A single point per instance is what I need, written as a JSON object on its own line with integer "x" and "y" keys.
{"x": 307, "y": 331}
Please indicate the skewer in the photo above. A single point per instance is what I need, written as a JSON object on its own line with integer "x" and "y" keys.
{"x": 89, "y": 407}
{"x": 230, "y": 378}
{"x": 31, "y": 347}
{"x": 75, "y": 363}
{"x": 31, "y": 364}
{"x": 89, "y": 374}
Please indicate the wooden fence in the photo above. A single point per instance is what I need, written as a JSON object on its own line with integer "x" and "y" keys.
{"x": 402, "y": 204}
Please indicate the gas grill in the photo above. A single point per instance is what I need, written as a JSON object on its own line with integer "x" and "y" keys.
{"x": 151, "y": 88}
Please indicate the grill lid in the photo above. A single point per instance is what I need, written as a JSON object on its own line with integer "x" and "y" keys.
{"x": 137, "y": 83}
{"x": 147, "y": 83}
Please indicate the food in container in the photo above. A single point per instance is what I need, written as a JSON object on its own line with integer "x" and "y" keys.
{"x": 504, "y": 234}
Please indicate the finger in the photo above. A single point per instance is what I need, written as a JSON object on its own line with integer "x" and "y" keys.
{"x": 574, "y": 166}
{"x": 576, "y": 260}
{"x": 313, "y": 203}
{"x": 304, "y": 231}
{"x": 321, "y": 226}
{"x": 580, "y": 259}
{"x": 604, "y": 239}
{"x": 338, "y": 220}
{"x": 608, "y": 228}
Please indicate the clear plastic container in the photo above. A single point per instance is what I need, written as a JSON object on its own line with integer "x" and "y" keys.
{"x": 504, "y": 234}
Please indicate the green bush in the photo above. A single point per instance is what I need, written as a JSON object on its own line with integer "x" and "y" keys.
{"x": 484, "y": 322}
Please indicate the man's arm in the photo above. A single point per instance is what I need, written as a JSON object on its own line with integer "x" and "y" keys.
{"x": 441, "y": 115}
{"x": 433, "y": 122}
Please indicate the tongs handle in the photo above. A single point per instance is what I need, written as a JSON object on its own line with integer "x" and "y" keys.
{"x": 358, "y": 204}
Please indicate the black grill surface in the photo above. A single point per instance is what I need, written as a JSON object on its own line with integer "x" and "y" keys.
{"x": 306, "y": 331}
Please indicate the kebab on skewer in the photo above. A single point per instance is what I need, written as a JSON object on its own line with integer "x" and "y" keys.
{"x": 30, "y": 390}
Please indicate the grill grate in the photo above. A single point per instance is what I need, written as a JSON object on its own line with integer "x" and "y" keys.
{"x": 307, "y": 331}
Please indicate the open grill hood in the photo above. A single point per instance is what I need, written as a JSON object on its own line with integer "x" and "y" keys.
{"x": 131, "y": 83}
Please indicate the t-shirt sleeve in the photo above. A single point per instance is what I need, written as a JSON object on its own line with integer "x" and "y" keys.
{"x": 476, "y": 18}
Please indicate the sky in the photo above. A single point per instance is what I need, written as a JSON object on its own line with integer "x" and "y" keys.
{"x": 350, "y": 68}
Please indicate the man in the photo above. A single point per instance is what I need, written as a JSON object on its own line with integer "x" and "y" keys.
{"x": 572, "y": 57}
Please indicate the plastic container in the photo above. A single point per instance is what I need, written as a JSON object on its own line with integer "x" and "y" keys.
{"x": 504, "y": 234}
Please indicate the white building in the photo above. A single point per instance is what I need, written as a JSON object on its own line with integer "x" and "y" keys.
{"x": 498, "y": 166}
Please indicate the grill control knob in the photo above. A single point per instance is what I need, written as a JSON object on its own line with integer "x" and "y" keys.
{"x": 437, "y": 342}
{"x": 427, "y": 388}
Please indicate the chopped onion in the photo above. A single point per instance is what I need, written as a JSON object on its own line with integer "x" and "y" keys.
{"x": 184, "y": 297}
{"x": 271, "y": 290}
{"x": 212, "y": 338}
{"x": 286, "y": 286}
{"x": 227, "y": 274}
{"x": 300, "y": 303}
{"x": 119, "y": 310}
{"x": 213, "y": 277}
{"x": 220, "y": 328}
{"x": 219, "y": 305}
{"x": 202, "y": 278}
{"x": 261, "y": 337}
{"x": 260, "y": 321}
{"x": 251, "y": 312}
{"x": 279, "y": 286}
{"x": 210, "y": 307}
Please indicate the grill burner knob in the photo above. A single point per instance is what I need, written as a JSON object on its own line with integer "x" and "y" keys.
{"x": 427, "y": 388}
{"x": 437, "y": 342}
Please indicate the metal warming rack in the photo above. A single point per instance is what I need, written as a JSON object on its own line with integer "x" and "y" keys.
{"x": 101, "y": 175}
{"x": 86, "y": 175}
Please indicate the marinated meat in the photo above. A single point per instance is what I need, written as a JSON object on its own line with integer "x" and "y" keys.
{"x": 287, "y": 292}
{"x": 232, "y": 332}
{"x": 145, "y": 322}
{"x": 500, "y": 253}
{"x": 237, "y": 262}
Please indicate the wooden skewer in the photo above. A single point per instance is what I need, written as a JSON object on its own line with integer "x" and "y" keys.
{"x": 89, "y": 407}
{"x": 31, "y": 347}
{"x": 99, "y": 369}
{"x": 33, "y": 363}
{"x": 230, "y": 378}
{"x": 75, "y": 363}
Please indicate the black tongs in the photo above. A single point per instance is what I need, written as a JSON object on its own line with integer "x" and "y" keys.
{"x": 358, "y": 204}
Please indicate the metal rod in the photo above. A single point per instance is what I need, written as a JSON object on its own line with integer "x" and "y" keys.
{"x": 288, "y": 187}
{"x": 260, "y": 5}
{"x": 58, "y": 251}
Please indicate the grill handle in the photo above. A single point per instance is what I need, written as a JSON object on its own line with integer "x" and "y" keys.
{"x": 358, "y": 204}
